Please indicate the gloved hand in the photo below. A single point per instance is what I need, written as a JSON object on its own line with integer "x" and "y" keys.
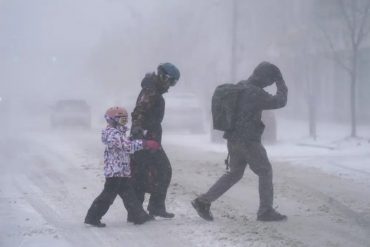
{"x": 151, "y": 145}
{"x": 280, "y": 82}
{"x": 137, "y": 133}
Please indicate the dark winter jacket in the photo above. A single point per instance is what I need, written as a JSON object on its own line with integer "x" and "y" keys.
{"x": 253, "y": 100}
{"x": 149, "y": 110}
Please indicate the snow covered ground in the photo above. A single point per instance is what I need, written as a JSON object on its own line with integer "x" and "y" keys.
{"x": 333, "y": 151}
{"x": 49, "y": 179}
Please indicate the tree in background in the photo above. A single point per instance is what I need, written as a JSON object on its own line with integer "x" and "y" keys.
{"x": 345, "y": 24}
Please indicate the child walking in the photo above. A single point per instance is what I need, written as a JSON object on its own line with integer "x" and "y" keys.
{"x": 117, "y": 169}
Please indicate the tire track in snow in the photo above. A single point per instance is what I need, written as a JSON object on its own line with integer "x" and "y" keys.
{"x": 55, "y": 199}
{"x": 71, "y": 233}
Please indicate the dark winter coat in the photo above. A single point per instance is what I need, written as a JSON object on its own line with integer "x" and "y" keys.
{"x": 253, "y": 100}
{"x": 149, "y": 110}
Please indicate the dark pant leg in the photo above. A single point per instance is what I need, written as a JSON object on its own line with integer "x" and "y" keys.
{"x": 226, "y": 181}
{"x": 129, "y": 199}
{"x": 102, "y": 203}
{"x": 260, "y": 165}
{"x": 140, "y": 161}
{"x": 163, "y": 179}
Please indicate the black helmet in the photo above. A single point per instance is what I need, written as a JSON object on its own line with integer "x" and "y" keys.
{"x": 170, "y": 71}
{"x": 267, "y": 73}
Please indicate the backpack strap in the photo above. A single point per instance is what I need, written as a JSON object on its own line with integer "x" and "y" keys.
{"x": 227, "y": 161}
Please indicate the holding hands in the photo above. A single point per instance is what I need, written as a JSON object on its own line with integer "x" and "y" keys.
{"x": 151, "y": 145}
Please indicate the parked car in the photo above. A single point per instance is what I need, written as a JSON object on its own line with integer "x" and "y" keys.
{"x": 184, "y": 112}
{"x": 71, "y": 113}
{"x": 269, "y": 135}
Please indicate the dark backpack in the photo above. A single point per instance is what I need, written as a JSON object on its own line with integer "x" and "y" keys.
{"x": 224, "y": 106}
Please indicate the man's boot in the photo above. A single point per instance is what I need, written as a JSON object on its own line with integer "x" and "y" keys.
{"x": 271, "y": 215}
{"x": 130, "y": 218}
{"x": 94, "y": 222}
{"x": 161, "y": 213}
{"x": 203, "y": 209}
{"x": 142, "y": 218}
{"x": 157, "y": 207}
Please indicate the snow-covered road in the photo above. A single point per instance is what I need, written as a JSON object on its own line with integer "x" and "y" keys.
{"x": 48, "y": 184}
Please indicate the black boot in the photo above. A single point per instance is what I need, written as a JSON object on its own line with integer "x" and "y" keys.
{"x": 271, "y": 215}
{"x": 141, "y": 219}
{"x": 161, "y": 213}
{"x": 130, "y": 218}
{"x": 92, "y": 222}
{"x": 203, "y": 209}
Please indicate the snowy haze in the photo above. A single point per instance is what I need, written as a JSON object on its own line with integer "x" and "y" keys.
{"x": 99, "y": 51}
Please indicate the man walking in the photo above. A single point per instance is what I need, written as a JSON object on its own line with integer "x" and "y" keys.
{"x": 146, "y": 123}
{"x": 244, "y": 142}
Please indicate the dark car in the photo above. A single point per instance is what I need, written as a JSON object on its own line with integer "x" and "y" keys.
{"x": 71, "y": 113}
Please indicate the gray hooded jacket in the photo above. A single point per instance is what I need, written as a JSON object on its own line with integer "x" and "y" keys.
{"x": 252, "y": 101}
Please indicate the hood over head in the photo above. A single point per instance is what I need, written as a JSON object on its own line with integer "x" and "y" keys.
{"x": 265, "y": 74}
